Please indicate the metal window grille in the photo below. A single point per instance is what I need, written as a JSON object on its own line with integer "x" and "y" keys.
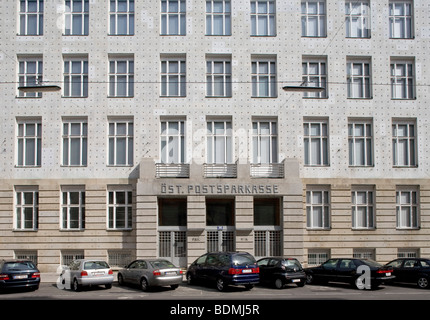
{"x": 220, "y": 241}
{"x": 267, "y": 243}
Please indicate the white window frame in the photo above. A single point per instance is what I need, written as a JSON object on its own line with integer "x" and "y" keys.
{"x": 270, "y": 136}
{"x": 27, "y": 14}
{"x": 363, "y": 208}
{"x": 30, "y": 73}
{"x": 410, "y": 155}
{"x": 360, "y": 141}
{"x": 407, "y": 207}
{"x": 224, "y": 138}
{"x": 168, "y": 136}
{"x": 357, "y": 19}
{"x": 402, "y": 79}
{"x": 114, "y": 136}
{"x": 173, "y": 18}
{"x": 21, "y": 207}
{"x": 359, "y": 79}
{"x": 25, "y": 140}
{"x": 75, "y": 77}
{"x": 121, "y": 71}
{"x": 67, "y": 206}
{"x": 113, "y": 206}
{"x": 318, "y": 213}
{"x": 215, "y": 15}
{"x": 404, "y": 20}
{"x": 173, "y": 80}
{"x": 116, "y": 16}
{"x": 73, "y": 138}
{"x": 72, "y": 14}
{"x": 263, "y": 76}
{"x": 314, "y": 74}
{"x": 263, "y": 18}
{"x": 319, "y": 16}
{"x": 320, "y": 137}
{"x": 218, "y": 77}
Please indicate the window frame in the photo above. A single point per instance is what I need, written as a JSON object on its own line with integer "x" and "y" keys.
{"x": 113, "y": 136}
{"x": 70, "y": 15}
{"x": 225, "y": 16}
{"x": 19, "y": 222}
{"x": 403, "y": 82}
{"x": 22, "y": 142}
{"x": 324, "y": 215}
{"x": 70, "y": 76}
{"x": 166, "y": 77}
{"x": 320, "y": 17}
{"x": 167, "y": 16}
{"x": 267, "y": 17}
{"x": 354, "y": 140}
{"x": 211, "y": 141}
{"x": 408, "y": 220}
{"x": 407, "y": 20}
{"x": 114, "y": 75}
{"x": 273, "y": 137}
{"x": 362, "y": 18}
{"x": 26, "y": 78}
{"x": 24, "y": 17}
{"x": 368, "y": 205}
{"x": 256, "y": 77}
{"x": 114, "y": 15}
{"x": 225, "y": 76}
{"x": 82, "y": 137}
{"x": 66, "y": 206}
{"x": 324, "y": 142}
{"x": 364, "y": 77}
{"x": 321, "y": 76}
{"x": 113, "y": 206}
{"x": 180, "y": 135}
{"x": 412, "y": 142}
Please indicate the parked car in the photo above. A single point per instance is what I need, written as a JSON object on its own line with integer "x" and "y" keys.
{"x": 19, "y": 274}
{"x": 224, "y": 269}
{"x": 411, "y": 270}
{"x": 151, "y": 273}
{"x": 88, "y": 272}
{"x": 281, "y": 271}
{"x": 345, "y": 270}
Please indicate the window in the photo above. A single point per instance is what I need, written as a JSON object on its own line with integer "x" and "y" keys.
{"x": 407, "y": 208}
{"x": 220, "y": 225}
{"x": 357, "y": 19}
{"x": 402, "y": 79}
{"x": 73, "y": 208}
{"x": 264, "y": 141}
{"x": 120, "y": 138}
{"x": 219, "y": 142}
{"x": 75, "y": 77}
{"x": 358, "y": 79}
{"x": 362, "y": 206}
{"x": 77, "y": 17}
{"x": 316, "y": 142}
{"x": 263, "y": 77}
{"x": 120, "y": 203}
{"x": 121, "y": 77}
{"x": 318, "y": 208}
{"x": 26, "y": 208}
{"x": 75, "y": 139}
{"x": 172, "y": 212}
{"x": 401, "y": 13}
{"x": 317, "y": 257}
{"x": 173, "y": 20}
{"x": 360, "y": 143}
{"x": 314, "y": 74}
{"x": 173, "y": 77}
{"x": 263, "y": 15}
{"x": 404, "y": 143}
{"x": 313, "y": 18}
{"x": 29, "y": 140}
{"x": 267, "y": 227}
{"x": 218, "y": 17}
{"x": 218, "y": 77}
{"x": 173, "y": 141}
{"x": 121, "y": 17}
{"x": 30, "y": 73}
{"x": 31, "y": 18}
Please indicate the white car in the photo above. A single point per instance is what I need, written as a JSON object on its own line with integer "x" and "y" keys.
{"x": 88, "y": 272}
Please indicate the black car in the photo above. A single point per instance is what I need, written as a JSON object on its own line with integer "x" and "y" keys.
{"x": 225, "y": 268}
{"x": 350, "y": 270}
{"x": 411, "y": 270}
{"x": 281, "y": 271}
{"x": 19, "y": 274}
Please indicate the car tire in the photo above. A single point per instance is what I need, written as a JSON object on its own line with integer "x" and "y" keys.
{"x": 423, "y": 282}
{"x": 144, "y": 284}
{"x": 76, "y": 286}
{"x": 310, "y": 279}
{"x": 108, "y": 286}
{"x": 120, "y": 280}
{"x": 174, "y": 286}
{"x": 190, "y": 279}
{"x": 220, "y": 284}
{"x": 279, "y": 284}
{"x": 249, "y": 286}
{"x": 301, "y": 283}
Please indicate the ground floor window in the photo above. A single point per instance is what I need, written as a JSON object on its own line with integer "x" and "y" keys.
{"x": 220, "y": 221}
{"x": 267, "y": 227}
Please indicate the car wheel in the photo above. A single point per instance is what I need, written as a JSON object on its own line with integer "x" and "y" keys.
{"x": 249, "y": 286}
{"x": 310, "y": 278}
{"x": 144, "y": 284}
{"x": 120, "y": 280}
{"x": 279, "y": 284}
{"x": 220, "y": 284}
{"x": 76, "y": 286}
{"x": 174, "y": 286}
{"x": 423, "y": 282}
{"x": 108, "y": 286}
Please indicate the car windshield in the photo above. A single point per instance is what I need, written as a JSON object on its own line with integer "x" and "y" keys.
{"x": 372, "y": 263}
{"x": 243, "y": 259}
{"x": 95, "y": 265}
{"x": 291, "y": 264}
{"x": 162, "y": 264}
{"x": 20, "y": 265}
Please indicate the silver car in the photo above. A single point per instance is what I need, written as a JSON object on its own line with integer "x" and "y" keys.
{"x": 151, "y": 273}
{"x": 88, "y": 272}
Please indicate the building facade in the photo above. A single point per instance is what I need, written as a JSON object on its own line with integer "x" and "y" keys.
{"x": 172, "y": 134}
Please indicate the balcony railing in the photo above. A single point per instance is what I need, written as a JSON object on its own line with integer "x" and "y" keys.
{"x": 267, "y": 170}
{"x": 172, "y": 170}
{"x": 225, "y": 170}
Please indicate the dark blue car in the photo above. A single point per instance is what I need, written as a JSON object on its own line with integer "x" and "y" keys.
{"x": 224, "y": 269}
{"x": 19, "y": 274}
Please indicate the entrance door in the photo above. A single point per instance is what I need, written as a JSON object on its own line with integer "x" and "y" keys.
{"x": 173, "y": 247}
{"x": 220, "y": 240}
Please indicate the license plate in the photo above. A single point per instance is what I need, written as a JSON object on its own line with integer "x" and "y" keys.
{"x": 21, "y": 277}
{"x": 388, "y": 274}
{"x": 296, "y": 280}
{"x": 246, "y": 270}
{"x": 170, "y": 273}
{"x": 100, "y": 273}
